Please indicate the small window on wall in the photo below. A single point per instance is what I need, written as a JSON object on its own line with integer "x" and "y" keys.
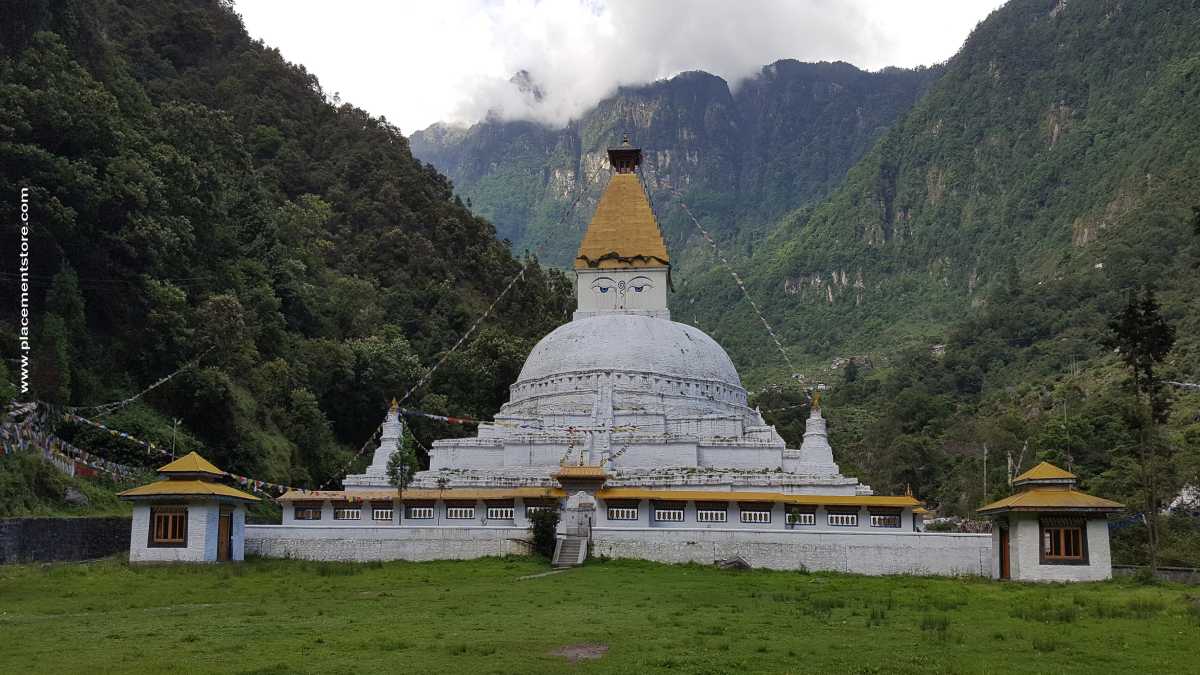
{"x": 418, "y": 512}
{"x": 347, "y": 513}
{"x": 668, "y": 515}
{"x": 307, "y": 511}
{"x": 753, "y": 512}
{"x": 1064, "y": 541}
{"x": 460, "y": 512}
{"x": 712, "y": 515}
{"x": 799, "y": 514}
{"x": 500, "y": 513}
{"x": 382, "y": 513}
{"x": 168, "y": 527}
{"x": 843, "y": 519}
{"x": 885, "y": 517}
{"x": 532, "y": 506}
{"x": 623, "y": 511}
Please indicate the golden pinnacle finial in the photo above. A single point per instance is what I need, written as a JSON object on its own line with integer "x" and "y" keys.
{"x": 907, "y": 490}
{"x": 817, "y": 399}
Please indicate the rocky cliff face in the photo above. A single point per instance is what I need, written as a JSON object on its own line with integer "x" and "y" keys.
{"x": 741, "y": 158}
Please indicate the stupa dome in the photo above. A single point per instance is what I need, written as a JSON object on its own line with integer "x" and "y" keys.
{"x": 630, "y": 343}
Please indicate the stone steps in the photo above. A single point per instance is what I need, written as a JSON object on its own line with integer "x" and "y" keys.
{"x": 570, "y": 551}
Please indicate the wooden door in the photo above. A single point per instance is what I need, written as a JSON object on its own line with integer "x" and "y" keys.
{"x": 225, "y": 536}
{"x": 1004, "y": 571}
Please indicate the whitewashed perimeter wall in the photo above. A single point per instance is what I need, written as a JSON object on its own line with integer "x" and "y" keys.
{"x": 860, "y": 553}
{"x": 358, "y": 543}
{"x": 872, "y": 553}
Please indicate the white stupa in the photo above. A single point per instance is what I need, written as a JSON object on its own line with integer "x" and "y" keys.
{"x": 654, "y": 402}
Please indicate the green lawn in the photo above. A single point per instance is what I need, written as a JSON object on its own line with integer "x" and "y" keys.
{"x": 477, "y": 616}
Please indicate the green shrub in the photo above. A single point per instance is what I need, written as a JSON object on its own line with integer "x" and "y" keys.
{"x": 543, "y": 523}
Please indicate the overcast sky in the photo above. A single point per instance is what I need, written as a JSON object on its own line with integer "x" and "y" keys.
{"x": 417, "y": 63}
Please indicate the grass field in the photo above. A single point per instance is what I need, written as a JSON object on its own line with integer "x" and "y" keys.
{"x": 479, "y": 617}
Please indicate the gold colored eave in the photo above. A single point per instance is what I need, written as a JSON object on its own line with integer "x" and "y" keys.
{"x": 186, "y": 488}
{"x": 1040, "y": 499}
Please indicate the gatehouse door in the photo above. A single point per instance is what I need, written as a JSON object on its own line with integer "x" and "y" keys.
{"x": 1004, "y": 571}
{"x": 224, "y": 536}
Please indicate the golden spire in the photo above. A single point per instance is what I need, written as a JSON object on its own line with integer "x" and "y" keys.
{"x": 624, "y": 232}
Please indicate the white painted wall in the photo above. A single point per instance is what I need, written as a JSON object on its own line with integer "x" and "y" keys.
{"x": 384, "y": 543}
{"x": 852, "y": 551}
{"x": 202, "y": 535}
{"x": 1025, "y": 552}
{"x": 203, "y": 524}
{"x": 856, "y": 551}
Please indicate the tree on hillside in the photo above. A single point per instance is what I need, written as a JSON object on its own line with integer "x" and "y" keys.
{"x": 1143, "y": 338}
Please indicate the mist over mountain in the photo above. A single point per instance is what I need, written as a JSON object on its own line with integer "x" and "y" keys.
{"x": 783, "y": 139}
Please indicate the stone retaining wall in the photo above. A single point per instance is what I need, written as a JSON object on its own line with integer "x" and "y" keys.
{"x": 49, "y": 539}
{"x": 859, "y": 553}
{"x": 357, "y": 543}
{"x": 1179, "y": 575}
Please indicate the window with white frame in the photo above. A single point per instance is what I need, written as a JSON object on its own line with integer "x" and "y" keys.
{"x": 843, "y": 519}
{"x": 382, "y": 513}
{"x": 419, "y": 513}
{"x": 622, "y": 513}
{"x": 885, "y": 520}
{"x": 460, "y": 512}
{"x": 669, "y": 514}
{"x": 530, "y": 510}
{"x": 307, "y": 511}
{"x": 711, "y": 515}
{"x": 347, "y": 513}
{"x": 755, "y": 516}
{"x": 500, "y": 513}
{"x": 802, "y": 518}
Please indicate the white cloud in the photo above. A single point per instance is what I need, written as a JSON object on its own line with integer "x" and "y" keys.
{"x": 421, "y": 62}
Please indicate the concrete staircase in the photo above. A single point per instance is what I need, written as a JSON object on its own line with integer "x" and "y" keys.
{"x": 569, "y": 551}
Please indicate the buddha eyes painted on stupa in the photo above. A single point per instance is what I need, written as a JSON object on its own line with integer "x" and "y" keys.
{"x": 640, "y": 284}
{"x": 603, "y": 285}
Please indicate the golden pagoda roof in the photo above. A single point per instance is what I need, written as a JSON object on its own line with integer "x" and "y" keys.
{"x": 191, "y": 463}
{"x": 623, "y": 231}
{"x": 1044, "y": 471}
{"x": 1051, "y": 499}
{"x": 186, "y": 488}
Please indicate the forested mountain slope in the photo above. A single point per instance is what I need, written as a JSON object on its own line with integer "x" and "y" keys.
{"x": 195, "y": 196}
{"x": 782, "y": 139}
{"x": 1059, "y": 142}
{"x": 974, "y": 259}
